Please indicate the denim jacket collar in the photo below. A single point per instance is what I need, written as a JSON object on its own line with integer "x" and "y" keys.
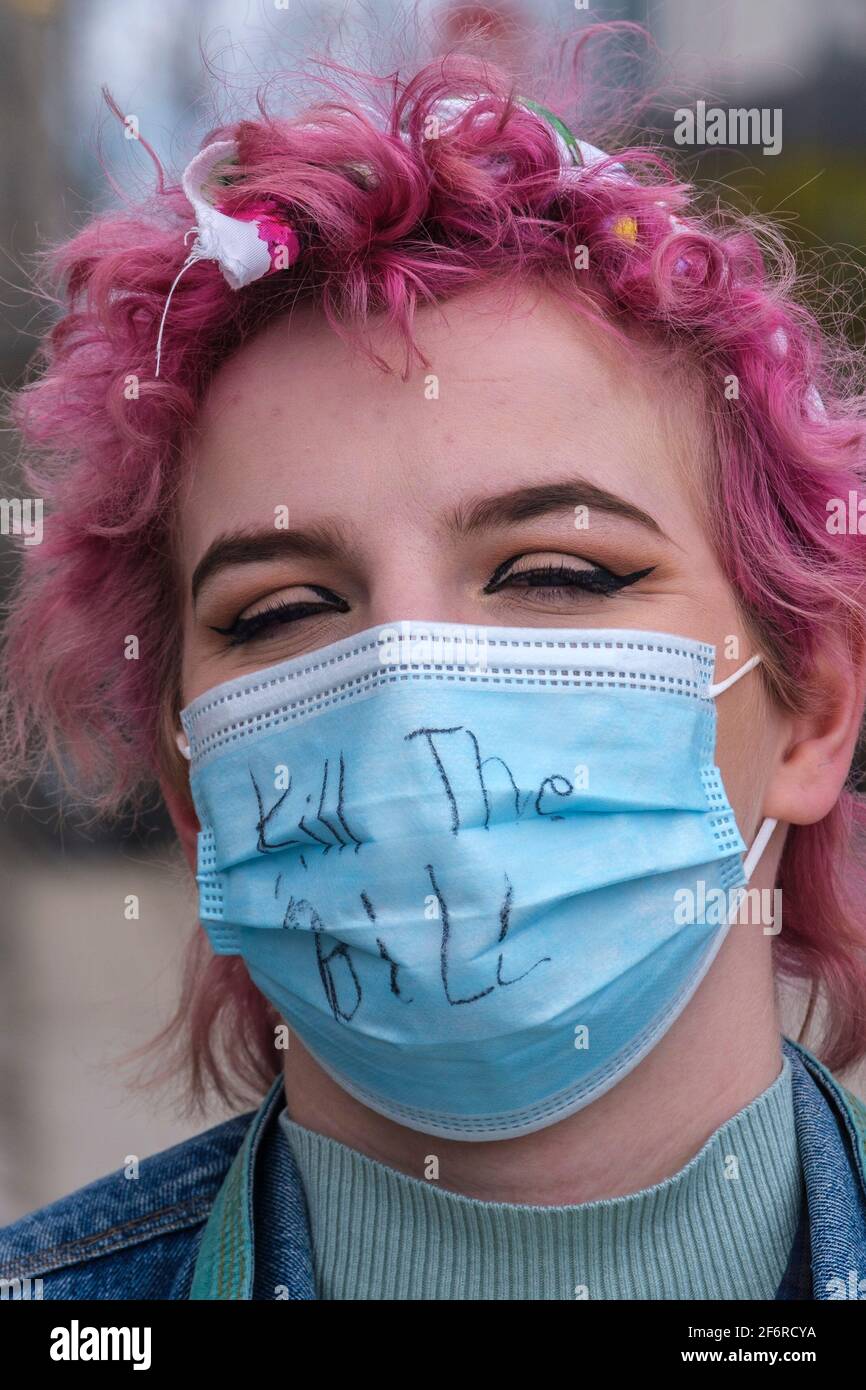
{"x": 257, "y": 1242}
{"x": 828, "y": 1260}
{"x": 260, "y": 1202}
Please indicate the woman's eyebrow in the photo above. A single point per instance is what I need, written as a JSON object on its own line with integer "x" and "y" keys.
{"x": 525, "y": 503}
{"x": 327, "y": 540}
{"x": 252, "y": 545}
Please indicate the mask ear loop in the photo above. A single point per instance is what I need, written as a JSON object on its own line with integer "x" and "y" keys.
{"x": 768, "y": 825}
{"x": 759, "y": 844}
{"x": 714, "y": 690}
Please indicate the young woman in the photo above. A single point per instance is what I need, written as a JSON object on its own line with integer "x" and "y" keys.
{"x": 442, "y": 511}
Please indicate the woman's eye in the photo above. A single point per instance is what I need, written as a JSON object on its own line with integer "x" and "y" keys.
{"x": 559, "y": 578}
{"x": 280, "y": 614}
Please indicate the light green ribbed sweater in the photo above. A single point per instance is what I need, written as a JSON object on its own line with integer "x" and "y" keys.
{"x": 703, "y": 1233}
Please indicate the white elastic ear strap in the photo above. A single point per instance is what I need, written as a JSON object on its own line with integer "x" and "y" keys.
{"x": 714, "y": 690}
{"x": 759, "y": 844}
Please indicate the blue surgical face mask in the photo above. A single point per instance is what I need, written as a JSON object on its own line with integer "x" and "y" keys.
{"x": 454, "y": 859}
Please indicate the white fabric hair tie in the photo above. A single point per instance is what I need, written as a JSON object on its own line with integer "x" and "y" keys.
{"x": 246, "y": 244}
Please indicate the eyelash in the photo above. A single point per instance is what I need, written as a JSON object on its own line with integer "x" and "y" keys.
{"x": 598, "y": 580}
{"x": 248, "y": 629}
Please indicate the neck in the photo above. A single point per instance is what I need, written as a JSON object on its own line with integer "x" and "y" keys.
{"x": 722, "y": 1052}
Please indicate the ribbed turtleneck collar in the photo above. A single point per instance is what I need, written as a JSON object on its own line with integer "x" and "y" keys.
{"x": 720, "y": 1228}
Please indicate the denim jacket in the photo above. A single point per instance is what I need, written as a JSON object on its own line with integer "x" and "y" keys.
{"x": 223, "y": 1215}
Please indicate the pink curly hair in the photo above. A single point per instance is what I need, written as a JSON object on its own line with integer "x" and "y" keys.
{"x": 386, "y": 224}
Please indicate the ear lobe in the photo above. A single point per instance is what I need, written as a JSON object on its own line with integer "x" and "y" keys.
{"x": 820, "y": 745}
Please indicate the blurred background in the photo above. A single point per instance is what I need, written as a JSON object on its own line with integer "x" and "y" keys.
{"x": 79, "y": 984}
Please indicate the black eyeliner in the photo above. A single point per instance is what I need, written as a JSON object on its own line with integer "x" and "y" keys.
{"x": 242, "y": 629}
{"x": 595, "y": 581}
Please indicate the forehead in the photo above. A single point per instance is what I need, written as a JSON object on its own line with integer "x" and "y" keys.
{"x": 517, "y": 390}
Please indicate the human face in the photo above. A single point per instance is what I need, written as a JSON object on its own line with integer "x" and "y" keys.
{"x": 452, "y": 496}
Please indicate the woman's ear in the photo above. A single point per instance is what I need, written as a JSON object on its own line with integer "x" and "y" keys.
{"x": 174, "y": 786}
{"x": 174, "y": 783}
{"x": 817, "y": 748}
